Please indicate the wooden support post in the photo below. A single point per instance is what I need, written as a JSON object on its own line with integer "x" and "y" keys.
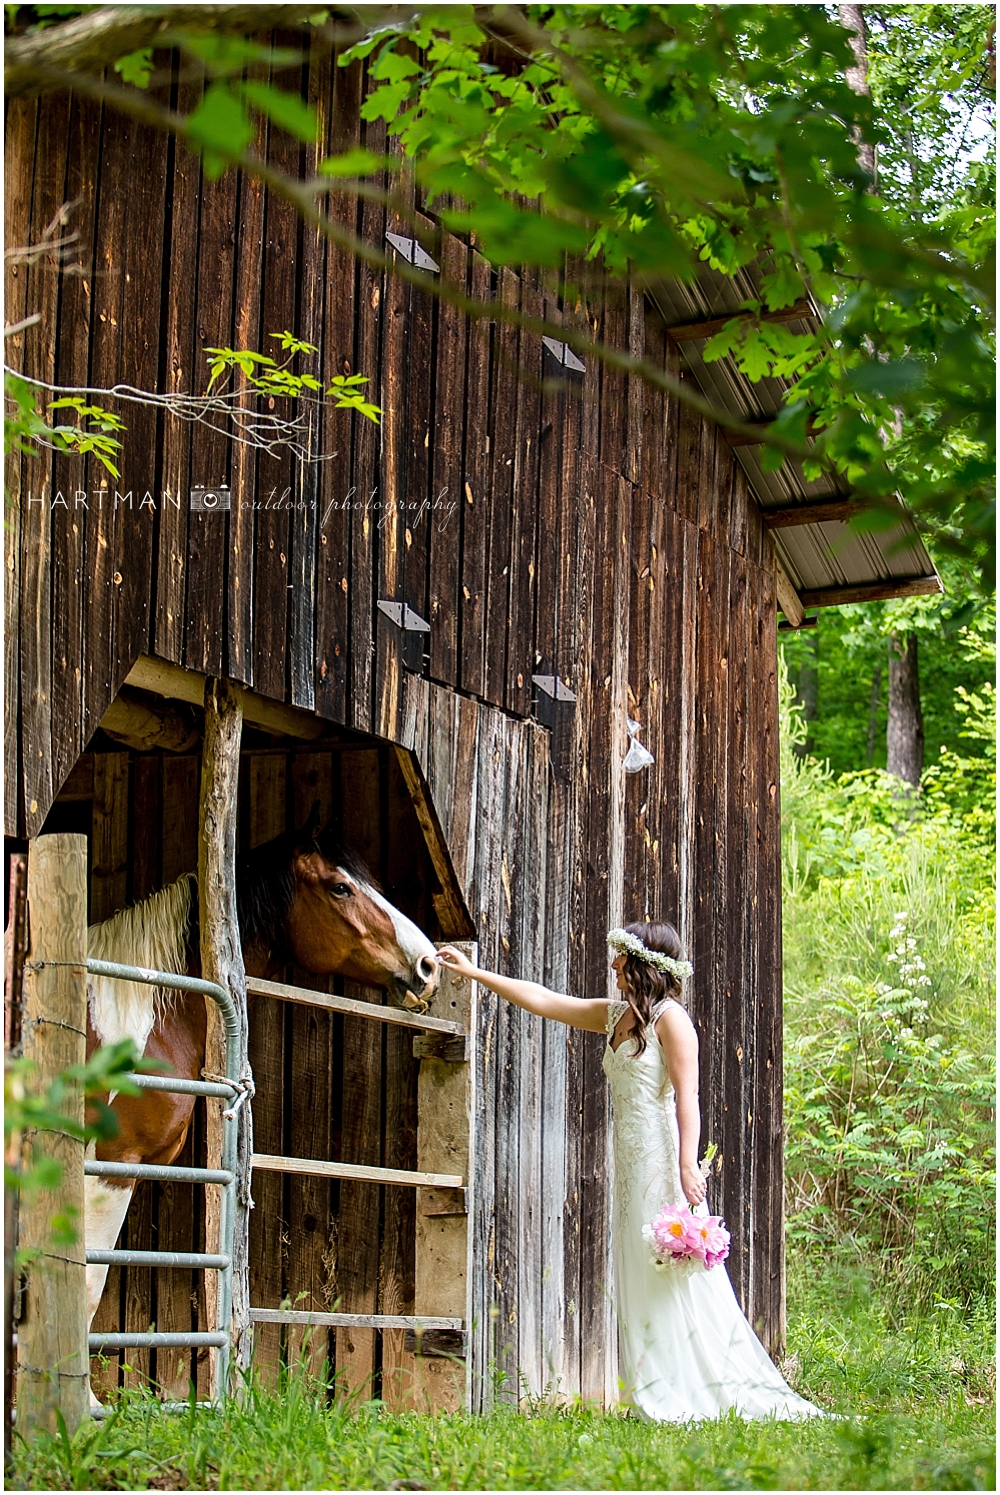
{"x": 53, "y": 1363}
{"x": 444, "y": 1121}
{"x": 222, "y": 962}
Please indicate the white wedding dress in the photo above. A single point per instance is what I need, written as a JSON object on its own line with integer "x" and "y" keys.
{"x": 687, "y": 1352}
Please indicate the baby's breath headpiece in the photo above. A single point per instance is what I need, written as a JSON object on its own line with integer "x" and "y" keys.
{"x": 630, "y": 944}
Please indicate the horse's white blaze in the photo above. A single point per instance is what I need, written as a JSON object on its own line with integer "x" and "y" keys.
{"x": 152, "y": 934}
{"x": 412, "y": 941}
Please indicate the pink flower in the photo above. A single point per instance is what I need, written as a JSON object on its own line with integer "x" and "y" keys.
{"x": 671, "y": 1230}
{"x": 713, "y": 1240}
{"x": 678, "y": 1236}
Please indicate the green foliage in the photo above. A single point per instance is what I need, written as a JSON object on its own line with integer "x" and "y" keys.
{"x": 269, "y": 379}
{"x": 660, "y": 136}
{"x": 848, "y": 650}
{"x": 27, "y": 1112}
{"x": 920, "y": 1390}
{"x": 25, "y": 429}
{"x": 889, "y": 1053}
{"x": 929, "y": 72}
{"x": 137, "y": 67}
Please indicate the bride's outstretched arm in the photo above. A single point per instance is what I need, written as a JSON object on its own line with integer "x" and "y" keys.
{"x": 577, "y": 1012}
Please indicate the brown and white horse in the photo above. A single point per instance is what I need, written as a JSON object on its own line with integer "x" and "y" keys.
{"x": 301, "y": 898}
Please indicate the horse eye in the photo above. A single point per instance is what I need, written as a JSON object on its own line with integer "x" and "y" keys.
{"x": 341, "y": 890}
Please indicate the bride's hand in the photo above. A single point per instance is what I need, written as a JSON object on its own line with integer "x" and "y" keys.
{"x": 456, "y": 961}
{"x": 693, "y": 1185}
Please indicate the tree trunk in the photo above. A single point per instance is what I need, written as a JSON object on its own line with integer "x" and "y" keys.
{"x": 905, "y": 731}
{"x": 852, "y": 18}
{"x": 807, "y": 691}
{"x": 873, "y": 706}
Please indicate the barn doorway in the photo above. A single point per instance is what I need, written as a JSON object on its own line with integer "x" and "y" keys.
{"x": 329, "y": 1086}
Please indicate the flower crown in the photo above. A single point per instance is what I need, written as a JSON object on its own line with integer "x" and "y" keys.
{"x": 630, "y": 944}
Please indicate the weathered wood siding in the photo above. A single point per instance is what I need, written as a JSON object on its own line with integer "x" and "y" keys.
{"x": 600, "y": 532}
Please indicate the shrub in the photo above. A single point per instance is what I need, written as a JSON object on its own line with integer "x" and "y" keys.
{"x": 889, "y": 1056}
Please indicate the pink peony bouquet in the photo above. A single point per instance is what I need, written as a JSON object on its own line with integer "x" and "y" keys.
{"x": 682, "y": 1241}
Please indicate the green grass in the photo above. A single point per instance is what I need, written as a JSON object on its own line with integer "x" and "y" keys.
{"x": 918, "y": 1393}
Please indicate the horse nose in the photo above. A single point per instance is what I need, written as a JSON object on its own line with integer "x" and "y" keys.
{"x": 428, "y": 972}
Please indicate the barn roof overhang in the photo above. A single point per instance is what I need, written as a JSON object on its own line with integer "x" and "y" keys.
{"x": 821, "y": 560}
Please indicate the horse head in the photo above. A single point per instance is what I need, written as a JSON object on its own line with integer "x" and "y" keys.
{"x": 306, "y": 898}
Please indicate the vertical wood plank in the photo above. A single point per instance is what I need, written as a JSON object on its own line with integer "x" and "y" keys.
{"x": 447, "y": 497}
{"x": 266, "y": 818}
{"x": 37, "y": 361}
{"x": 421, "y": 411}
{"x": 181, "y": 373}
{"x": 358, "y": 1221}
{"x": 248, "y": 486}
{"x": 524, "y": 511}
{"x": 365, "y": 475}
{"x": 486, "y": 1330}
{"x": 533, "y": 1082}
{"x": 475, "y": 489}
{"x": 72, "y": 368}
{"x": 503, "y": 453}
{"x": 391, "y": 514}
{"x": 275, "y": 475}
{"x": 136, "y": 355}
{"x": 506, "y": 1078}
{"x": 769, "y": 1296}
{"x": 209, "y": 539}
{"x": 305, "y": 520}
{"x": 333, "y": 557}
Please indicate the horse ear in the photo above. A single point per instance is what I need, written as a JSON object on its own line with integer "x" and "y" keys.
{"x": 307, "y": 835}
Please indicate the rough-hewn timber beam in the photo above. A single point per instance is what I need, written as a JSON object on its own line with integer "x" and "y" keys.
{"x": 872, "y": 591}
{"x": 788, "y": 598}
{"x": 166, "y": 679}
{"x": 810, "y": 513}
{"x": 222, "y": 962}
{"x": 692, "y": 332}
{"x": 149, "y": 725}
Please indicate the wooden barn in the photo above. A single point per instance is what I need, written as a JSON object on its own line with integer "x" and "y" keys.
{"x": 442, "y": 630}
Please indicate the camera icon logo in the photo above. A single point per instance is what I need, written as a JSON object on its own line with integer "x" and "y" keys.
{"x": 210, "y": 500}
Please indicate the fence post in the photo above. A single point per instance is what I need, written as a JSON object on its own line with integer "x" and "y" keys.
{"x": 222, "y": 962}
{"x": 445, "y": 1145}
{"x": 53, "y": 1363}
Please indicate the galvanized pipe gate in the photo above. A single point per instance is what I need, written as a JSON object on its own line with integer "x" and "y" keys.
{"x": 235, "y": 1091}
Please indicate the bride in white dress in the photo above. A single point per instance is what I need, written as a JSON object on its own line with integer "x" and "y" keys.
{"x": 687, "y": 1352}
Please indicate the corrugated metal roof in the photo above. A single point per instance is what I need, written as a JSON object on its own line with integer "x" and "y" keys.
{"x": 818, "y": 558}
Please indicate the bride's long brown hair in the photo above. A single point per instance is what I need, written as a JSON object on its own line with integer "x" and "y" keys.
{"x": 646, "y": 984}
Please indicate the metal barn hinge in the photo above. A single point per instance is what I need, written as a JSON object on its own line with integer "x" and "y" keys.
{"x": 404, "y": 617}
{"x": 564, "y": 355}
{"x": 553, "y": 687}
{"x": 412, "y": 251}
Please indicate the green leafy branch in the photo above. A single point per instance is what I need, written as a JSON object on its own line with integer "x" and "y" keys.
{"x": 27, "y": 1112}
{"x": 224, "y": 406}
{"x": 271, "y": 379}
{"x": 25, "y": 428}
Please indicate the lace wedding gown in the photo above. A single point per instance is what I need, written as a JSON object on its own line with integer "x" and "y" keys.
{"x": 687, "y": 1352}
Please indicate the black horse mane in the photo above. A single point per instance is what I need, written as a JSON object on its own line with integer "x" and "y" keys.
{"x": 265, "y": 884}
